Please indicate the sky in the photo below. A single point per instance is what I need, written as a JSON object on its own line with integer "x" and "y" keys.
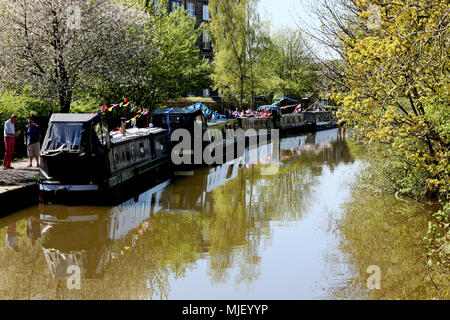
{"x": 290, "y": 13}
{"x": 284, "y": 12}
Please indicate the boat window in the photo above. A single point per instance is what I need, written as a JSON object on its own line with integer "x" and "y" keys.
{"x": 115, "y": 160}
{"x": 142, "y": 150}
{"x": 160, "y": 145}
{"x": 133, "y": 154}
{"x": 101, "y": 130}
{"x": 64, "y": 135}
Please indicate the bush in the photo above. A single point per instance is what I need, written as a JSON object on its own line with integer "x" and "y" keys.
{"x": 24, "y": 105}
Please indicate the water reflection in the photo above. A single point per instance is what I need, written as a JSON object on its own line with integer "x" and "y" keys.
{"x": 222, "y": 216}
{"x": 387, "y": 232}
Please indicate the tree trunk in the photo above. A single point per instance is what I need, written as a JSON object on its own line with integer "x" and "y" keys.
{"x": 65, "y": 98}
{"x": 241, "y": 93}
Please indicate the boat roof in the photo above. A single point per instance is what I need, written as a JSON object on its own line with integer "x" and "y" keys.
{"x": 220, "y": 121}
{"x": 177, "y": 111}
{"x": 134, "y": 133}
{"x": 72, "y": 117}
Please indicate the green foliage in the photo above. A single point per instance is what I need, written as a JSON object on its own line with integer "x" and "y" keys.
{"x": 249, "y": 62}
{"x": 394, "y": 92}
{"x": 173, "y": 70}
{"x": 240, "y": 42}
{"x": 41, "y": 50}
{"x": 290, "y": 69}
{"x": 392, "y": 175}
{"x": 24, "y": 105}
{"x": 85, "y": 106}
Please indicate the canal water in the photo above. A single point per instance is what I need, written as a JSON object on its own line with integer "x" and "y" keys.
{"x": 236, "y": 231}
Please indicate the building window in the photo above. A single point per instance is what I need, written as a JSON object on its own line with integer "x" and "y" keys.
{"x": 205, "y": 12}
{"x": 191, "y": 93}
{"x": 206, "y": 40}
{"x": 190, "y": 9}
{"x": 174, "y": 5}
{"x": 206, "y": 92}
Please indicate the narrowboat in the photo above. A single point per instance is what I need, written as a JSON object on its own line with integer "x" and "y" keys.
{"x": 79, "y": 155}
{"x": 308, "y": 121}
{"x": 201, "y": 134}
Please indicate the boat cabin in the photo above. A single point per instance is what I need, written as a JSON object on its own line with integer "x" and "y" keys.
{"x": 80, "y": 154}
{"x": 75, "y": 148}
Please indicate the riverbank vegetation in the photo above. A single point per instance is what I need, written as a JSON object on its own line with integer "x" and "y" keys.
{"x": 392, "y": 88}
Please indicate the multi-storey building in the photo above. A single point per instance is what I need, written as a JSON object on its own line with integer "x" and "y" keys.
{"x": 200, "y": 11}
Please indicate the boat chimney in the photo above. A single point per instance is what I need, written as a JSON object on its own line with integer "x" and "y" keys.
{"x": 123, "y": 126}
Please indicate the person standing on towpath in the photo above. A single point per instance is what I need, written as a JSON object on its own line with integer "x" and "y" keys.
{"x": 32, "y": 140}
{"x": 10, "y": 136}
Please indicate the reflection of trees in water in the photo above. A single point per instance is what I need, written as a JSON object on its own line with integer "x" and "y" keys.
{"x": 228, "y": 233}
{"x": 24, "y": 274}
{"x": 381, "y": 230}
{"x": 247, "y": 205}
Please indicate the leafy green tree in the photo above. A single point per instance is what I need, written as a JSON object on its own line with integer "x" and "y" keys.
{"x": 173, "y": 69}
{"x": 240, "y": 41}
{"x": 393, "y": 90}
{"x": 291, "y": 70}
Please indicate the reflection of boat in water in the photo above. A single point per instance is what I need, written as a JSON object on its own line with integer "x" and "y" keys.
{"x": 80, "y": 155}
{"x": 85, "y": 237}
{"x": 193, "y": 194}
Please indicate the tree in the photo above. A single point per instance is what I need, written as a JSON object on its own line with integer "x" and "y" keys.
{"x": 393, "y": 89}
{"x": 291, "y": 68}
{"x": 173, "y": 68}
{"x": 239, "y": 43}
{"x": 55, "y": 46}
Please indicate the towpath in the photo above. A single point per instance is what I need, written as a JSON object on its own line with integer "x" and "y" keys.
{"x": 18, "y": 186}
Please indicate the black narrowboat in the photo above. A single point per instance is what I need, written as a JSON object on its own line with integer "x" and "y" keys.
{"x": 79, "y": 155}
{"x": 201, "y": 133}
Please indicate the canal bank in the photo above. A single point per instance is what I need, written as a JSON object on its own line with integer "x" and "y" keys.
{"x": 18, "y": 187}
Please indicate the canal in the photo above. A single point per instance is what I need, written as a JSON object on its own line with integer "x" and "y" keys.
{"x": 229, "y": 232}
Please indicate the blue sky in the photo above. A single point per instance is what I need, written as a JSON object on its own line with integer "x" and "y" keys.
{"x": 290, "y": 13}
{"x": 284, "y": 12}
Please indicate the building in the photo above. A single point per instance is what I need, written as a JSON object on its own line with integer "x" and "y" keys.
{"x": 200, "y": 10}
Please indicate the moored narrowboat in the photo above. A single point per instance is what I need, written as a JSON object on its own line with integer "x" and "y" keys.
{"x": 307, "y": 121}
{"x": 202, "y": 134}
{"x": 79, "y": 155}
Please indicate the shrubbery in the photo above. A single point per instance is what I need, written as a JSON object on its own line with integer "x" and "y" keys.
{"x": 24, "y": 105}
